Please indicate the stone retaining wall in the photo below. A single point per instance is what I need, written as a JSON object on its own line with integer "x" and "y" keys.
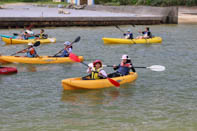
{"x": 76, "y": 21}
{"x": 138, "y": 15}
{"x": 169, "y": 14}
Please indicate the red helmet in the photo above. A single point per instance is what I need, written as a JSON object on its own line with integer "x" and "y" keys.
{"x": 97, "y": 61}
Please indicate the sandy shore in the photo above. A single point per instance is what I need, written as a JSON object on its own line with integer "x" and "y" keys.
{"x": 187, "y": 15}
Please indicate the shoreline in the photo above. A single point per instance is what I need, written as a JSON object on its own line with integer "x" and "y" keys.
{"x": 90, "y": 16}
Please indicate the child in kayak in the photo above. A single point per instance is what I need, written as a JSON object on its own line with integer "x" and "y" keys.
{"x": 24, "y": 36}
{"x": 95, "y": 72}
{"x": 31, "y": 52}
{"x": 123, "y": 68}
{"x": 128, "y": 35}
{"x": 67, "y": 50}
{"x": 30, "y": 32}
{"x": 41, "y": 35}
{"x": 145, "y": 34}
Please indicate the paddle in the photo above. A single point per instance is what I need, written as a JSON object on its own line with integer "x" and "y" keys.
{"x": 123, "y": 33}
{"x": 29, "y": 27}
{"x": 76, "y": 40}
{"x": 119, "y": 28}
{"x": 153, "y": 67}
{"x": 37, "y": 43}
{"x": 75, "y": 58}
{"x": 15, "y": 34}
{"x": 134, "y": 27}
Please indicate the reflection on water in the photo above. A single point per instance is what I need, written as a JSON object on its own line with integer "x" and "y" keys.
{"x": 36, "y": 68}
{"x": 90, "y": 97}
{"x": 30, "y": 68}
{"x": 95, "y": 97}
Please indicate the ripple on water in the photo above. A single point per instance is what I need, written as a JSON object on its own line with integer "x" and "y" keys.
{"x": 33, "y": 98}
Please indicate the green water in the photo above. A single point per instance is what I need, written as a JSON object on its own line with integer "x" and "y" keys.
{"x": 33, "y": 98}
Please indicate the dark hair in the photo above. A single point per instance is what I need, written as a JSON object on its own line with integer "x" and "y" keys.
{"x": 147, "y": 28}
{"x": 128, "y": 61}
{"x": 42, "y": 30}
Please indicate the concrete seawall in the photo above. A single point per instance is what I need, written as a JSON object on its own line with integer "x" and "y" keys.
{"x": 76, "y": 21}
{"x": 18, "y": 16}
{"x": 169, "y": 14}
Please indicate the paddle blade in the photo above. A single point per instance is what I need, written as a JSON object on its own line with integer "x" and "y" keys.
{"x": 74, "y": 57}
{"x": 117, "y": 26}
{"x": 15, "y": 34}
{"x": 77, "y": 39}
{"x": 115, "y": 83}
{"x": 157, "y": 68}
{"x": 37, "y": 43}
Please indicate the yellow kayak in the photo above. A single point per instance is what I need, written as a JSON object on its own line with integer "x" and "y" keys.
{"x": 78, "y": 83}
{"x": 37, "y": 60}
{"x": 19, "y": 41}
{"x": 133, "y": 41}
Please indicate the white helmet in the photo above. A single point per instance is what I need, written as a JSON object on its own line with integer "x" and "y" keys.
{"x": 125, "y": 57}
{"x": 30, "y": 44}
{"x": 67, "y": 43}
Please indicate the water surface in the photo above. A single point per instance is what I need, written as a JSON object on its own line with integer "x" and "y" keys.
{"x": 33, "y": 98}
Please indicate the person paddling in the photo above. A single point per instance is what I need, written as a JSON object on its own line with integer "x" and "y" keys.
{"x": 128, "y": 35}
{"x": 30, "y": 32}
{"x": 31, "y": 52}
{"x": 42, "y": 35}
{"x": 24, "y": 36}
{"x": 95, "y": 72}
{"x": 123, "y": 68}
{"x": 67, "y": 50}
{"x": 145, "y": 34}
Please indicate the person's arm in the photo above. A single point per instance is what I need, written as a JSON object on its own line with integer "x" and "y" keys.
{"x": 116, "y": 67}
{"x": 149, "y": 34}
{"x": 103, "y": 73}
{"x": 69, "y": 50}
{"x": 143, "y": 32}
{"x": 132, "y": 68}
{"x": 23, "y": 51}
{"x": 89, "y": 70}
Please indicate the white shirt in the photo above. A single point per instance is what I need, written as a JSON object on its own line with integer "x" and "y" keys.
{"x": 69, "y": 50}
{"x": 30, "y": 32}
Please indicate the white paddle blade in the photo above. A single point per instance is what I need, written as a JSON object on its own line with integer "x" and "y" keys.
{"x": 157, "y": 68}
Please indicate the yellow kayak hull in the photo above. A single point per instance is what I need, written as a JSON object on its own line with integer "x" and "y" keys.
{"x": 133, "y": 41}
{"x": 78, "y": 83}
{"x": 37, "y": 60}
{"x": 19, "y": 41}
